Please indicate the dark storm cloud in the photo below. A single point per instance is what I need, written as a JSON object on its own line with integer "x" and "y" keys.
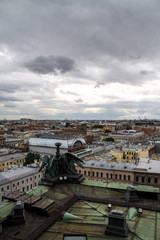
{"x": 100, "y": 36}
{"x": 10, "y": 105}
{"x": 9, "y": 98}
{"x": 50, "y": 64}
{"x": 145, "y": 72}
{"x": 69, "y": 93}
{"x": 79, "y": 100}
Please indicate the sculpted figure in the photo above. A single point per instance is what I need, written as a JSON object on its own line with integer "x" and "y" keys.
{"x": 60, "y": 164}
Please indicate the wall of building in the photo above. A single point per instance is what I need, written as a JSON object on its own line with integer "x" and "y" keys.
{"x": 46, "y": 150}
{"x": 22, "y": 184}
{"x": 10, "y": 162}
{"x": 107, "y": 175}
{"x": 118, "y": 154}
{"x": 130, "y": 177}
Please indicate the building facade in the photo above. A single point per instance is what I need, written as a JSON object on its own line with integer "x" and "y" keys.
{"x": 19, "y": 179}
{"x": 7, "y": 160}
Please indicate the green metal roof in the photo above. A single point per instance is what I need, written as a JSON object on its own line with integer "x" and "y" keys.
{"x": 92, "y": 214}
{"x": 5, "y": 210}
{"x": 121, "y": 186}
{"x": 41, "y": 189}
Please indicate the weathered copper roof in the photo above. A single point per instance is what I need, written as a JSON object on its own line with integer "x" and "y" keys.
{"x": 90, "y": 204}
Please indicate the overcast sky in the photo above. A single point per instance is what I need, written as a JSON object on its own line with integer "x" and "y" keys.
{"x": 79, "y": 59}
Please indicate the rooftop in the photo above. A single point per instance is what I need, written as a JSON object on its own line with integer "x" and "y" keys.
{"x": 149, "y": 165}
{"x": 11, "y": 157}
{"x": 86, "y": 205}
{"x": 16, "y": 173}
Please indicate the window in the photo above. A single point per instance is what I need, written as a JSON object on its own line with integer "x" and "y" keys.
{"x": 13, "y": 184}
{"x": 97, "y": 174}
{"x": 120, "y": 176}
{"x": 124, "y": 177}
{"x": 89, "y": 173}
{"x": 149, "y": 180}
{"x": 85, "y": 173}
{"x": 155, "y": 180}
{"x": 22, "y": 182}
{"x": 92, "y": 174}
{"x": 143, "y": 179}
{"x": 79, "y": 172}
{"x": 116, "y": 176}
{"x": 137, "y": 179}
{"x": 35, "y": 177}
{"x": 7, "y": 187}
{"x": 101, "y": 174}
{"x": 111, "y": 175}
{"x": 129, "y": 177}
{"x": 18, "y": 183}
{"x": 2, "y": 189}
{"x": 106, "y": 175}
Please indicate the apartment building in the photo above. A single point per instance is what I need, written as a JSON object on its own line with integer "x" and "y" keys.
{"x": 19, "y": 179}
{"x": 131, "y": 153}
{"x": 8, "y": 159}
{"x": 146, "y": 172}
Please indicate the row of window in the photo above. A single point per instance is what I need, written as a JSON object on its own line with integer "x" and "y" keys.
{"x": 107, "y": 175}
{"x": 124, "y": 177}
{"x": 18, "y": 184}
{"x": 129, "y": 153}
{"x": 24, "y": 189}
{"x": 146, "y": 180}
{"x": 10, "y": 163}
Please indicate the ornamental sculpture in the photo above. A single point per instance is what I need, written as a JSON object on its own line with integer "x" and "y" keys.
{"x": 60, "y": 167}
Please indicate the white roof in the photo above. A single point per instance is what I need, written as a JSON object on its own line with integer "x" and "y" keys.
{"x": 46, "y": 142}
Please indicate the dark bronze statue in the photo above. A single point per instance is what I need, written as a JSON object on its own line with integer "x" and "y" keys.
{"x": 60, "y": 165}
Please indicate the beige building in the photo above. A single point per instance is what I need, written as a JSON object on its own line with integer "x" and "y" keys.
{"x": 146, "y": 172}
{"x": 128, "y": 135}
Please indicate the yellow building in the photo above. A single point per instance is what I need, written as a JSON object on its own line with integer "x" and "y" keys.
{"x": 131, "y": 153}
{"x": 6, "y": 161}
{"x": 118, "y": 154}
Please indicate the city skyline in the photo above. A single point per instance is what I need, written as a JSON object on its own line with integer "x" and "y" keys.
{"x": 79, "y": 59}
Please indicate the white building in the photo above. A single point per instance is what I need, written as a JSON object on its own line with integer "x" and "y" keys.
{"x": 19, "y": 179}
{"x": 45, "y": 143}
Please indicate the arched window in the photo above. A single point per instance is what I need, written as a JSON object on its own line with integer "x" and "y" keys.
{"x": 120, "y": 176}
{"x": 84, "y": 172}
{"x": 79, "y": 171}
{"x": 97, "y": 174}
{"x": 101, "y": 174}
{"x": 124, "y": 177}
{"x": 129, "y": 177}
{"x": 92, "y": 174}
{"x": 116, "y": 176}
{"x": 106, "y": 175}
{"x": 88, "y": 173}
{"x": 111, "y": 175}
